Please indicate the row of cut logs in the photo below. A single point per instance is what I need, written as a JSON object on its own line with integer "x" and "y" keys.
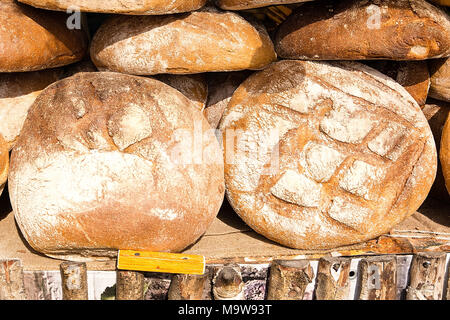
{"x": 287, "y": 280}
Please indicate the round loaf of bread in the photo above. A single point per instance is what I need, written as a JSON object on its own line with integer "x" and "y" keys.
{"x": 437, "y": 112}
{"x": 138, "y": 7}
{"x": 19, "y": 90}
{"x": 202, "y": 41}
{"x": 360, "y": 30}
{"x": 440, "y": 79}
{"x": 444, "y": 154}
{"x": 33, "y": 39}
{"x": 221, "y": 86}
{"x": 108, "y": 161}
{"x": 193, "y": 86}
{"x": 320, "y": 155}
{"x": 250, "y": 4}
{"x": 4, "y": 163}
{"x": 412, "y": 75}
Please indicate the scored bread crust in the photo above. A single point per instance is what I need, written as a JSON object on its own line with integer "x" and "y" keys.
{"x": 359, "y": 30}
{"x": 4, "y": 163}
{"x": 33, "y": 39}
{"x": 356, "y": 154}
{"x": 207, "y": 40}
{"x": 440, "y": 79}
{"x": 132, "y": 7}
{"x": 102, "y": 164}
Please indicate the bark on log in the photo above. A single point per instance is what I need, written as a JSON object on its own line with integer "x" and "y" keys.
{"x": 332, "y": 281}
{"x": 74, "y": 280}
{"x": 427, "y": 276}
{"x": 191, "y": 287}
{"x": 288, "y": 279}
{"x": 129, "y": 285}
{"x": 11, "y": 280}
{"x": 378, "y": 278}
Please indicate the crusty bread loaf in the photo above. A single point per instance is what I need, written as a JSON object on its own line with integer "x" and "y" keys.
{"x": 436, "y": 113}
{"x": 106, "y": 161}
{"x": 412, "y": 75}
{"x": 221, "y": 86}
{"x": 4, "y": 163}
{"x": 33, "y": 39}
{"x": 193, "y": 86}
{"x": 137, "y": 7}
{"x": 359, "y": 30}
{"x": 19, "y": 90}
{"x": 249, "y": 4}
{"x": 440, "y": 79}
{"x": 202, "y": 41}
{"x": 319, "y": 155}
{"x": 444, "y": 154}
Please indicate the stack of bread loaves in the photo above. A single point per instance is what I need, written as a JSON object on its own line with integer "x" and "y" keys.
{"x": 315, "y": 154}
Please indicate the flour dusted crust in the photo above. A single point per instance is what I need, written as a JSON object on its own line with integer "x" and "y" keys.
{"x": 356, "y": 154}
{"x": 250, "y": 4}
{"x": 440, "y": 79}
{"x": 221, "y": 86}
{"x": 32, "y": 39}
{"x": 18, "y": 91}
{"x": 132, "y": 7}
{"x": 202, "y": 41}
{"x": 193, "y": 86}
{"x": 106, "y": 161}
{"x": 358, "y": 30}
{"x": 4, "y": 163}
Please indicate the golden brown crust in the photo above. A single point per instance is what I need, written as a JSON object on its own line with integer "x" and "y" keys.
{"x": 103, "y": 163}
{"x": 4, "y": 163}
{"x": 132, "y": 7}
{"x": 193, "y": 86}
{"x": 202, "y": 41}
{"x": 356, "y": 154}
{"x": 445, "y": 153}
{"x": 359, "y": 30}
{"x": 250, "y": 4}
{"x": 412, "y": 75}
{"x": 33, "y": 39}
{"x": 440, "y": 79}
{"x": 437, "y": 113}
{"x": 19, "y": 90}
{"x": 221, "y": 86}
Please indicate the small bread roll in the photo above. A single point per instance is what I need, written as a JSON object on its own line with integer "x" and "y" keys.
{"x": 138, "y": 7}
{"x": 202, "y": 41}
{"x": 365, "y": 30}
{"x": 109, "y": 161}
{"x": 33, "y": 39}
{"x": 4, "y": 163}
{"x": 320, "y": 155}
{"x": 445, "y": 152}
{"x": 440, "y": 79}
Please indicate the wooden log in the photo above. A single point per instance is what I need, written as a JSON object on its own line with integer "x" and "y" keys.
{"x": 11, "y": 280}
{"x": 191, "y": 287}
{"x": 378, "y": 278}
{"x": 427, "y": 276}
{"x": 74, "y": 280}
{"x": 447, "y": 297}
{"x": 129, "y": 285}
{"x": 228, "y": 283}
{"x": 332, "y": 281}
{"x": 288, "y": 279}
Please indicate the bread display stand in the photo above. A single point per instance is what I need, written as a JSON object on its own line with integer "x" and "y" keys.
{"x": 230, "y": 242}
